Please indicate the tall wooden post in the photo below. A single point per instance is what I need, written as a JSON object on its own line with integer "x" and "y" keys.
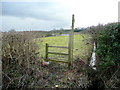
{"x": 70, "y": 45}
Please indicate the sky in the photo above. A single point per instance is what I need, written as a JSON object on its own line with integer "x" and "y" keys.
{"x": 56, "y": 14}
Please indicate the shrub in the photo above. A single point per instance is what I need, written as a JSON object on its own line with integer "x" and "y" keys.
{"x": 108, "y": 51}
{"x": 107, "y": 39}
{"x": 19, "y": 55}
{"x": 108, "y": 47}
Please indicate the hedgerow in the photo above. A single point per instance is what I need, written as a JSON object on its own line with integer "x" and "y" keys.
{"x": 108, "y": 45}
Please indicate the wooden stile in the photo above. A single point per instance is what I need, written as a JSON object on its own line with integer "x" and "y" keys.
{"x": 70, "y": 49}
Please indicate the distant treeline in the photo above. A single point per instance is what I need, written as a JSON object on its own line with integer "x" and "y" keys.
{"x": 39, "y": 34}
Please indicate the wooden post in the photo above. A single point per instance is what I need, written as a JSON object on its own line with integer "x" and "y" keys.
{"x": 46, "y": 54}
{"x": 70, "y": 44}
{"x": 72, "y": 36}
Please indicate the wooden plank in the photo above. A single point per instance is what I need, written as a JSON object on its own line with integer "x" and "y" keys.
{"x": 58, "y": 53}
{"x": 46, "y": 54}
{"x": 58, "y": 46}
{"x": 57, "y": 60}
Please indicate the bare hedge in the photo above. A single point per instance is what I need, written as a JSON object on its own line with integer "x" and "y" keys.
{"x": 19, "y": 59}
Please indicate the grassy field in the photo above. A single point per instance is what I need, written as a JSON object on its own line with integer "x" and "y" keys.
{"x": 82, "y": 45}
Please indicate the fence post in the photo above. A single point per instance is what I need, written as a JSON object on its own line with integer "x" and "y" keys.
{"x": 70, "y": 49}
{"x": 46, "y": 54}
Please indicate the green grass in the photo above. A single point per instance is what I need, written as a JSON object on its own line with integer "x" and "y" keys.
{"x": 81, "y": 47}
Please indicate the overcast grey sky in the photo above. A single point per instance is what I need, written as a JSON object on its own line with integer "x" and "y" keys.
{"x": 56, "y": 14}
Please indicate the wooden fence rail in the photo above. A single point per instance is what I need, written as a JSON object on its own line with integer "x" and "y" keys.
{"x": 58, "y": 47}
{"x": 58, "y": 53}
